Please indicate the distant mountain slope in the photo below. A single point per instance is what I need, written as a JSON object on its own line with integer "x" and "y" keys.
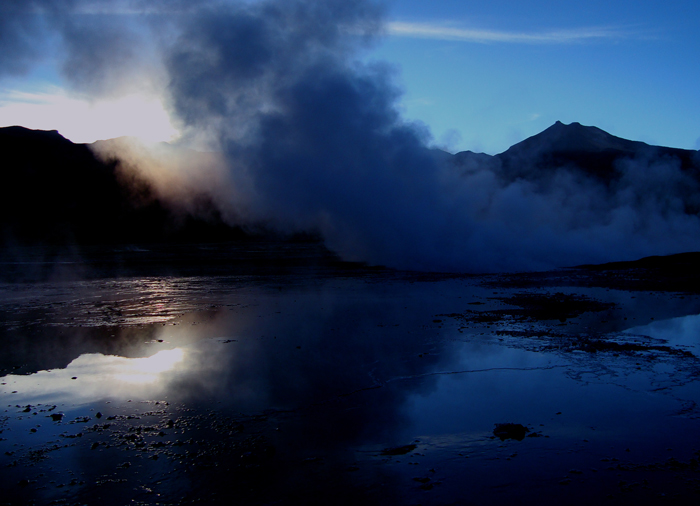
{"x": 52, "y": 190}
{"x": 584, "y": 150}
{"x": 55, "y": 191}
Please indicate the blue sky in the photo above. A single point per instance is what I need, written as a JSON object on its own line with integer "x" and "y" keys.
{"x": 481, "y": 75}
{"x": 484, "y": 75}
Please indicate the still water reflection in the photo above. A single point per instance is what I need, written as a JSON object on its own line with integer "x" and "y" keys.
{"x": 329, "y": 390}
{"x": 93, "y": 377}
{"x": 683, "y": 332}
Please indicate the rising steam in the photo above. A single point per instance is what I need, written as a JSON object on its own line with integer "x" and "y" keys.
{"x": 309, "y": 138}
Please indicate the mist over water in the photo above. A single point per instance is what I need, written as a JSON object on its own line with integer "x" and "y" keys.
{"x": 309, "y": 137}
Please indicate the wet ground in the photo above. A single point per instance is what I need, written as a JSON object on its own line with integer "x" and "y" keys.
{"x": 300, "y": 380}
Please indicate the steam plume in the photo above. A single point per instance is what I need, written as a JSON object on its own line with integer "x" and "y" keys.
{"x": 311, "y": 139}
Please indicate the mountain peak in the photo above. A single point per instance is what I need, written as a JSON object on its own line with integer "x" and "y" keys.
{"x": 572, "y": 138}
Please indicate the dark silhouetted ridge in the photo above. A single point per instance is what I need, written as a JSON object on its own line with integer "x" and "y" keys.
{"x": 584, "y": 150}
{"x": 55, "y": 191}
{"x": 680, "y": 263}
{"x": 573, "y": 138}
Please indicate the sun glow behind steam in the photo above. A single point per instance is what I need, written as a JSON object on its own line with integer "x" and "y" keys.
{"x": 82, "y": 121}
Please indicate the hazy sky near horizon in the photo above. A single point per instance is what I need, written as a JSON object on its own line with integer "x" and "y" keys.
{"x": 481, "y": 75}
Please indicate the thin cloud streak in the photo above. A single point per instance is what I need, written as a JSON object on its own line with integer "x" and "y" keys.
{"x": 485, "y": 36}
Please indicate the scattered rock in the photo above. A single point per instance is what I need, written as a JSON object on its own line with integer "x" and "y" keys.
{"x": 515, "y": 431}
{"x": 398, "y": 450}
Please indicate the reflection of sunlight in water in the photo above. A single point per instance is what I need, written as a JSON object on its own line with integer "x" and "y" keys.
{"x": 147, "y": 370}
{"x": 94, "y": 376}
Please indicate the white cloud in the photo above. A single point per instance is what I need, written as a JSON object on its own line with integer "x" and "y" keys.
{"x": 439, "y": 31}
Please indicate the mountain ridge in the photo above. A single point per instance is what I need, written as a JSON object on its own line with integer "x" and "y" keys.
{"x": 586, "y": 150}
{"x": 54, "y": 190}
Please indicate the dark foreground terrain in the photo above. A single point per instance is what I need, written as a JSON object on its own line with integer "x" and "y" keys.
{"x": 274, "y": 374}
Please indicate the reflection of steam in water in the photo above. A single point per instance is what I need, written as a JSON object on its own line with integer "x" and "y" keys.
{"x": 344, "y": 367}
{"x": 93, "y": 377}
{"x": 147, "y": 370}
{"x": 259, "y": 349}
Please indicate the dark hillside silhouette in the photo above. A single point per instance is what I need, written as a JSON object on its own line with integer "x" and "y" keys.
{"x": 584, "y": 150}
{"x": 55, "y": 191}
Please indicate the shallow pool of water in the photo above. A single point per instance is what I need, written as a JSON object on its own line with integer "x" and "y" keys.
{"x": 340, "y": 389}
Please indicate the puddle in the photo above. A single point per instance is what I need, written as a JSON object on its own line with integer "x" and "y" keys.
{"x": 339, "y": 390}
{"x": 683, "y": 332}
{"x": 94, "y": 377}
